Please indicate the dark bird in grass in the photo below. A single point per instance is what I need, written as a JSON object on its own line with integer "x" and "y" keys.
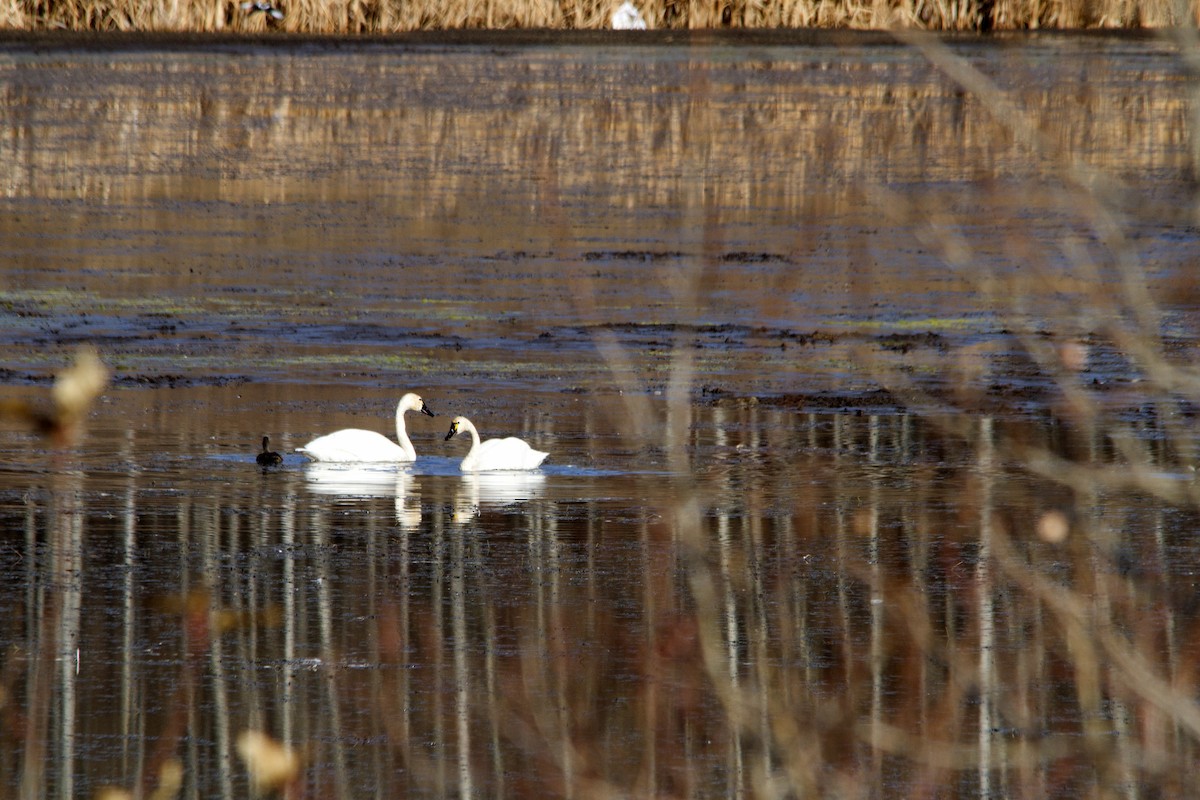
{"x": 266, "y": 457}
{"x": 255, "y": 6}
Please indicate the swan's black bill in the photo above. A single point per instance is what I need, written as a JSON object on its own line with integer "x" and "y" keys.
{"x": 453, "y": 430}
{"x": 425, "y": 409}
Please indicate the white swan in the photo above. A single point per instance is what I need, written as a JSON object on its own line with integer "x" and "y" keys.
{"x": 354, "y": 444}
{"x": 510, "y": 453}
{"x": 628, "y": 18}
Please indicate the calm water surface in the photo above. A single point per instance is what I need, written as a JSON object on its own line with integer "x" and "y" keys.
{"x": 790, "y": 583}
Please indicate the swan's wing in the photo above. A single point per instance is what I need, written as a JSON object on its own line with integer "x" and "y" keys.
{"x": 510, "y": 453}
{"x": 354, "y": 444}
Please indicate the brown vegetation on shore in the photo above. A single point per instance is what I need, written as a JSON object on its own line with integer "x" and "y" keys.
{"x": 395, "y": 16}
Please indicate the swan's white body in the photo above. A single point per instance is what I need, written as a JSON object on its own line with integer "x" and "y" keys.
{"x": 355, "y": 444}
{"x": 495, "y": 454}
{"x": 628, "y": 18}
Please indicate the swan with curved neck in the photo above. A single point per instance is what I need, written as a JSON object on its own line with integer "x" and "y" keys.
{"x": 495, "y": 454}
{"x": 355, "y": 444}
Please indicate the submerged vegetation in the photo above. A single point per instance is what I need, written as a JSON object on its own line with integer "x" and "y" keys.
{"x": 394, "y": 16}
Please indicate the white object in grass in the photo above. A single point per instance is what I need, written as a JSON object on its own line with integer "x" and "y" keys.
{"x": 628, "y": 18}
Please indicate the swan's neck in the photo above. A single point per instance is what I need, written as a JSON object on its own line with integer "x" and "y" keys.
{"x": 473, "y": 453}
{"x": 402, "y": 436}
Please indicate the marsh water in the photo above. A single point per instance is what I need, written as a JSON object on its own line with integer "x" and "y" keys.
{"x": 774, "y": 304}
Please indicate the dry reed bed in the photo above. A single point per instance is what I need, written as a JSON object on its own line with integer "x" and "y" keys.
{"x": 382, "y": 17}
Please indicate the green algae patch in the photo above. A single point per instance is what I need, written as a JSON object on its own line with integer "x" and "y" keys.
{"x": 911, "y": 324}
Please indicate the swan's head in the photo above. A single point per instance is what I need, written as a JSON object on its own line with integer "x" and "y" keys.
{"x": 413, "y": 402}
{"x": 457, "y": 426}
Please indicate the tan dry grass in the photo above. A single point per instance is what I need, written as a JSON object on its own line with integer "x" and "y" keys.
{"x": 394, "y": 16}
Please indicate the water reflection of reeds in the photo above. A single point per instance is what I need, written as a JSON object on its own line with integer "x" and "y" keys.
{"x": 793, "y": 131}
{"x": 178, "y": 188}
{"x": 857, "y": 599}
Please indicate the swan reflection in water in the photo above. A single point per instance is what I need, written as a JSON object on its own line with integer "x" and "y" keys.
{"x": 495, "y": 489}
{"x": 364, "y": 481}
{"x": 473, "y": 490}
